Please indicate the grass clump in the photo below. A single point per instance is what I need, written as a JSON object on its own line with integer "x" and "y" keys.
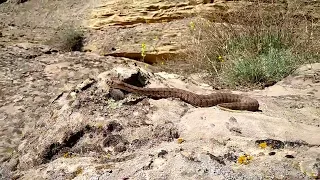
{"x": 68, "y": 39}
{"x": 258, "y": 60}
{"x": 251, "y": 50}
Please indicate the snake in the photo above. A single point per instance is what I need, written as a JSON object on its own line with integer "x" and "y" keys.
{"x": 224, "y": 100}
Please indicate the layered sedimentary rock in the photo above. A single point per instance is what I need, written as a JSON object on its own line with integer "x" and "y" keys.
{"x": 121, "y": 28}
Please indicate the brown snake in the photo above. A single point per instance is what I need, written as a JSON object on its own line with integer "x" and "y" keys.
{"x": 225, "y": 100}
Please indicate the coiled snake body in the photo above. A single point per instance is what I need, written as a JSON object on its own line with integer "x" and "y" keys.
{"x": 225, "y": 100}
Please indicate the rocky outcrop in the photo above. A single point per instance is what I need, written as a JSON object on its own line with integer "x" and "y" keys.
{"x": 58, "y": 121}
{"x": 17, "y": 1}
{"x": 84, "y": 133}
{"x": 119, "y": 28}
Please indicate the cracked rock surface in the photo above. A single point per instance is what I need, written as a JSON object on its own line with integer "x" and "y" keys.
{"x": 58, "y": 120}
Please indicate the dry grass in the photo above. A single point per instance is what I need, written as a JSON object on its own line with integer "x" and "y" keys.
{"x": 254, "y": 49}
{"x": 68, "y": 39}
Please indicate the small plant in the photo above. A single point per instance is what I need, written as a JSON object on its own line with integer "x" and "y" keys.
{"x": 143, "y": 50}
{"x": 192, "y": 26}
{"x": 271, "y": 66}
{"x": 77, "y": 172}
{"x": 263, "y": 145}
{"x": 180, "y": 140}
{"x": 99, "y": 126}
{"x": 68, "y": 155}
{"x": 68, "y": 39}
{"x": 244, "y": 159}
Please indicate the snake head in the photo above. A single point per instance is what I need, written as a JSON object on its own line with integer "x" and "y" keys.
{"x": 113, "y": 82}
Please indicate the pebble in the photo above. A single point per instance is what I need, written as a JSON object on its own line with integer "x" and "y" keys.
{"x": 272, "y": 153}
{"x": 116, "y": 94}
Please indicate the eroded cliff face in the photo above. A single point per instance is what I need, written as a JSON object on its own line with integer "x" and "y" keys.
{"x": 121, "y": 27}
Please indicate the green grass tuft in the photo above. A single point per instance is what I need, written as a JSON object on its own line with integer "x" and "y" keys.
{"x": 252, "y": 53}
{"x": 270, "y": 66}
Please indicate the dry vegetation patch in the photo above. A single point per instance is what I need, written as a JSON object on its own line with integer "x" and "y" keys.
{"x": 250, "y": 48}
{"x": 67, "y": 39}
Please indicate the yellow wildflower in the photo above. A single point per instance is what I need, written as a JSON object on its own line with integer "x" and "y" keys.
{"x": 220, "y": 58}
{"x": 192, "y": 25}
{"x": 263, "y": 145}
{"x": 180, "y": 140}
{"x": 245, "y": 159}
{"x": 143, "y": 49}
{"x": 68, "y": 155}
{"x": 108, "y": 156}
{"x": 208, "y": 23}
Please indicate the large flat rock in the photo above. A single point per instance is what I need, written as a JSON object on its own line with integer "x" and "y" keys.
{"x": 89, "y": 135}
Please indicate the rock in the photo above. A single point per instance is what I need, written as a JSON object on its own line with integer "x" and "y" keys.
{"x": 12, "y": 164}
{"x": 112, "y": 140}
{"x": 215, "y": 158}
{"x": 17, "y": 1}
{"x": 163, "y": 26}
{"x": 289, "y": 156}
{"x": 116, "y": 94}
{"x": 138, "y": 143}
{"x": 233, "y": 126}
{"x": 272, "y": 153}
{"x": 162, "y": 153}
{"x": 190, "y": 156}
{"x": 273, "y": 143}
{"x": 120, "y": 148}
{"x": 311, "y": 168}
{"x": 114, "y": 126}
{"x": 5, "y": 173}
{"x": 56, "y": 123}
{"x": 166, "y": 132}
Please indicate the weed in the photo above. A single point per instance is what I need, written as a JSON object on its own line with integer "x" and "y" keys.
{"x": 77, "y": 172}
{"x": 143, "y": 50}
{"x": 245, "y": 159}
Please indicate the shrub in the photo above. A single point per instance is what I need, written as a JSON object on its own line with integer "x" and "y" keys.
{"x": 266, "y": 68}
{"x": 68, "y": 39}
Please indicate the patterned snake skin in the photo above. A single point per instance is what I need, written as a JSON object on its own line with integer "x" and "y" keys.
{"x": 225, "y": 100}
